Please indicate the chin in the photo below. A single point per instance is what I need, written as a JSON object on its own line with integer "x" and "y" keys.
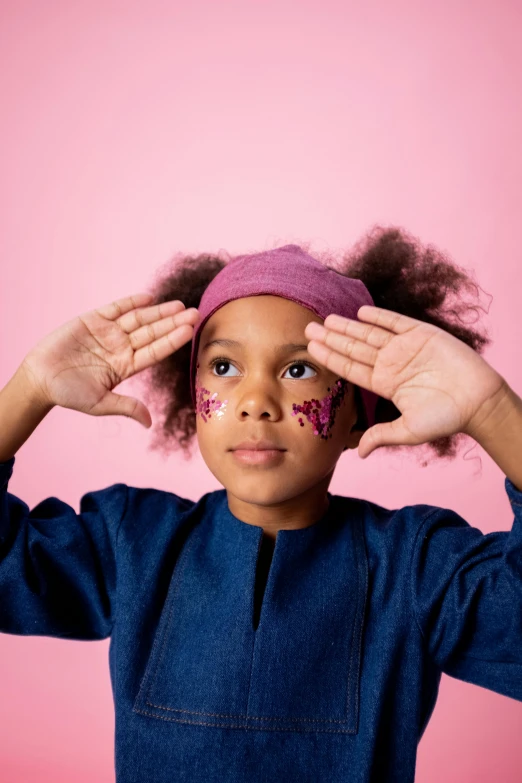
{"x": 261, "y": 491}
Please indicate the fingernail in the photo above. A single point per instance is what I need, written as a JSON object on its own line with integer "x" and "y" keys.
{"x": 335, "y": 321}
{"x": 315, "y": 329}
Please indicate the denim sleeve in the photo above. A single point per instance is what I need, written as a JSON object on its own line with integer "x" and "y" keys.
{"x": 57, "y": 567}
{"x": 467, "y": 597}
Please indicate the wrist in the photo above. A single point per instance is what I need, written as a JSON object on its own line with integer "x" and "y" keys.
{"x": 499, "y": 432}
{"x": 30, "y": 389}
{"x": 498, "y": 414}
{"x": 22, "y": 407}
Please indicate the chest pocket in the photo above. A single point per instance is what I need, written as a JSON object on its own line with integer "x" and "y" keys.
{"x": 294, "y": 668}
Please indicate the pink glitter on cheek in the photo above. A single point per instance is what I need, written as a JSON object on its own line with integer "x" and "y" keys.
{"x": 321, "y": 413}
{"x": 204, "y": 406}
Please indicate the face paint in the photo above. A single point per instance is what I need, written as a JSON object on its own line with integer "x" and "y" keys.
{"x": 321, "y": 413}
{"x": 205, "y": 406}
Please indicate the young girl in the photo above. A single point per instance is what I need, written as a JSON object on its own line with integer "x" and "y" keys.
{"x": 271, "y": 630}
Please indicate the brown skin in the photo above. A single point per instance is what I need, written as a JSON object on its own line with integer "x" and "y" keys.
{"x": 260, "y": 390}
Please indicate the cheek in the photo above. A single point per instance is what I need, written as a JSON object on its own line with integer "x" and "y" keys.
{"x": 207, "y": 403}
{"x": 321, "y": 413}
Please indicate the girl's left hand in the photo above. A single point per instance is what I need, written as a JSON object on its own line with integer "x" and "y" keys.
{"x": 440, "y": 385}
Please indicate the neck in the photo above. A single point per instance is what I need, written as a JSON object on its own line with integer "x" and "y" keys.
{"x": 288, "y": 514}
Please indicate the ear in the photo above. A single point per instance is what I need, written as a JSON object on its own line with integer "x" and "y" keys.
{"x": 359, "y": 425}
{"x": 352, "y": 442}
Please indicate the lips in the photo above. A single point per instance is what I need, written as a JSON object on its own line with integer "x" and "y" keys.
{"x": 258, "y": 445}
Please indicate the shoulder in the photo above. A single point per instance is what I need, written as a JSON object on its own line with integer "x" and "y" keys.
{"x": 396, "y": 530}
{"x": 381, "y": 518}
{"x": 145, "y": 499}
{"x": 160, "y": 509}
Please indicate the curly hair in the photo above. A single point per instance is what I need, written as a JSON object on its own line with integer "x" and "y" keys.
{"x": 401, "y": 275}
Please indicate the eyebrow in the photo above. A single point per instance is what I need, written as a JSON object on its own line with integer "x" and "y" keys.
{"x": 286, "y": 348}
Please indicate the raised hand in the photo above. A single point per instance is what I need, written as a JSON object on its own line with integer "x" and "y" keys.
{"x": 79, "y": 363}
{"x": 440, "y": 385}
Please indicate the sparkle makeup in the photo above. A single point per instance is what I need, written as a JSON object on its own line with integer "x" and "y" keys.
{"x": 321, "y": 413}
{"x": 206, "y": 406}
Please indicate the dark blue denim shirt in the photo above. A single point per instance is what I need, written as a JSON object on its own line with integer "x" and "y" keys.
{"x": 361, "y": 613}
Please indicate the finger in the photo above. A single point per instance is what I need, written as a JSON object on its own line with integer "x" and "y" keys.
{"x": 350, "y": 369}
{"x": 152, "y": 331}
{"x": 370, "y": 333}
{"x": 155, "y": 352}
{"x": 114, "y": 404}
{"x": 348, "y": 346}
{"x": 388, "y": 319}
{"x": 142, "y": 316}
{"x": 117, "y": 308}
{"x": 390, "y": 433}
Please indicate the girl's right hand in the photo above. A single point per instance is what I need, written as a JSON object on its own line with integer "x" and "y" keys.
{"x": 78, "y": 365}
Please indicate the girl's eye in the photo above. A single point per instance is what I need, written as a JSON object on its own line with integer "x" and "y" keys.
{"x": 220, "y": 361}
{"x": 300, "y": 364}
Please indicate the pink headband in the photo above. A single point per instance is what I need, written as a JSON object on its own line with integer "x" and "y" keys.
{"x": 289, "y": 272}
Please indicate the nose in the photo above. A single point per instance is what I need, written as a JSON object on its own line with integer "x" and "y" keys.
{"x": 259, "y": 401}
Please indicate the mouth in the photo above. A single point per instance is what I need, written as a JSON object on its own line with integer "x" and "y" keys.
{"x": 258, "y": 456}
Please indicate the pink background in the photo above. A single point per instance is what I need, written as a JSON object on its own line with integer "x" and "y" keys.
{"x": 131, "y": 131}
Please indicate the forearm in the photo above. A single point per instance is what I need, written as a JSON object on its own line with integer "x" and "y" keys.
{"x": 500, "y": 434}
{"x": 21, "y": 411}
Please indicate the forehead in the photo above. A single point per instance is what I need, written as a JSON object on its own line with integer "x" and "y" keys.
{"x": 260, "y": 315}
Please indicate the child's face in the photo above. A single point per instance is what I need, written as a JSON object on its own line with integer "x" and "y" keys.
{"x": 258, "y": 390}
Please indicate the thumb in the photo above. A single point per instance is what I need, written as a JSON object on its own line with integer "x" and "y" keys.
{"x": 120, "y": 405}
{"x": 389, "y": 433}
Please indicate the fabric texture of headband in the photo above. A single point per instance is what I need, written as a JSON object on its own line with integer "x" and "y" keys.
{"x": 292, "y": 273}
